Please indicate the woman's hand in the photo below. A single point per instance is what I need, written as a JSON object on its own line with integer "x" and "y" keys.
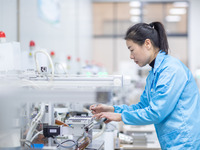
{"x": 110, "y": 116}
{"x": 101, "y": 108}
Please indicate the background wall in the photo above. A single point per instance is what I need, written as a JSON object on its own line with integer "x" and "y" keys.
{"x": 20, "y": 20}
{"x": 8, "y": 18}
{"x": 72, "y": 36}
{"x": 194, "y": 32}
{"x": 111, "y": 19}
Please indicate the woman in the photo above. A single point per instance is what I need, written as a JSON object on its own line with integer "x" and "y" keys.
{"x": 171, "y": 99}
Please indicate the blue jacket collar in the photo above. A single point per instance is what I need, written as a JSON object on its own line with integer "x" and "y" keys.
{"x": 159, "y": 58}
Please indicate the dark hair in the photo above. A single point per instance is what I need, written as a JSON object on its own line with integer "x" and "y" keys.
{"x": 154, "y": 31}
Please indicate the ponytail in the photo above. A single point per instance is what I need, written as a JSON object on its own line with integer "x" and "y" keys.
{"x": 154, "y": 31}
{"x": 162, "y": 37}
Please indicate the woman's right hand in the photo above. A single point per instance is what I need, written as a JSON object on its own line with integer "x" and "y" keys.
{"x": 98, "y": 108}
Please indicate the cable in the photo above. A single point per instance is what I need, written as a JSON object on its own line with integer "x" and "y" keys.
{"x": 81, "y": 137}
{"x": 26, "y": 141}
{"x": 30, "y": 83}
{"x": 60, "y": 144}
{"x": 39, "y": 115}
{"x": 84, "y": 144}
{"x": 35, "y": 122}
{"x": 101, "y": 132}
{"x": 50, "y": 60}
{"x": 60, "y": 64}
{"x": 36, "y": 135}
{"x": 69, "y": 140}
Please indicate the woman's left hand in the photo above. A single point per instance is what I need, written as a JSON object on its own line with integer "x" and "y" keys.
{"x": 110, "y": 116}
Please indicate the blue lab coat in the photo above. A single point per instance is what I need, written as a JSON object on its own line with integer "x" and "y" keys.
{"x": 171, "y": 102}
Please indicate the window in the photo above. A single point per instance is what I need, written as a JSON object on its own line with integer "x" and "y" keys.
{"x": 112, "y": 19}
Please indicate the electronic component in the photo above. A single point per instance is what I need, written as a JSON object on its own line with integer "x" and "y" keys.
{"x": 80, "y": 125}
{"x": 80, "y": 120}
{"x": 51, "y": 131}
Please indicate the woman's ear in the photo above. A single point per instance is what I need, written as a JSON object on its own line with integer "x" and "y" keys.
{"x": 148, "y": 44}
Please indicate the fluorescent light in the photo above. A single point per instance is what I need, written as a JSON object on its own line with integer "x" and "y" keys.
{"x": 180, "y": 4}
{"x": 177, "y": 11}
{"x": 135, "y": 4}
{"x": 173, "y": 18}
{"x": 135, "y": 11}
{"x": 135, "y": 19}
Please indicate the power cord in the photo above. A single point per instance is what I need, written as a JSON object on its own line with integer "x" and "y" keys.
{"x": 50, "y": 61}
{"x": 61, "y": 144}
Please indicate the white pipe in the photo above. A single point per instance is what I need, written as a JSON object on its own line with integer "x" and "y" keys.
{"x": 50, "y": 60}
{"x": 100, "y": 133}
{"x": 36, "y": 135}
{"x": 35, "y": 122}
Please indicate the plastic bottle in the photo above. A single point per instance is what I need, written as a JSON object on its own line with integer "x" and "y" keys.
{"x": 31, "y": 62}
{"x": 2, "y": 37}
{"x": 52, "y": 55}
{"x": 3, "y": 65}
{"x": 41, "y": 58}
{"x": 28, "y": 63}
{"x": 10, "y": 54}
{"x": 79, "y": 71}
{"x": 68, "y": 64}
{"x": 32, "y": 48}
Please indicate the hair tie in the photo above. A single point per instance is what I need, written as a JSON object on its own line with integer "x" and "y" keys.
{"x": 151, "y": 25}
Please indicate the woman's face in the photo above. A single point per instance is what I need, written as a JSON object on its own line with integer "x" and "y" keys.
{"x": 141, "y": 55}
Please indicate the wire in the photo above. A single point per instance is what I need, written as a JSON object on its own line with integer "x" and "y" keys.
{"x": 58, "y": 65}
{"x": 36, "y": 135}
{"x": 50, "y": 60}
{"x": 27, "y": 141}
{"x": 84, "y": 144}
{"x": 81, "y": 137}
{"x": 30, "y": 83}
{"x": 69, "y": 140}
{"x": 101, "y": 132}
{"x": 60, "y": 144}
{"x": 35, "y": 122}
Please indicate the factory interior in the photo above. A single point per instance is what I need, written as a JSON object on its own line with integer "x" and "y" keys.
{"x": 59, "y": 57}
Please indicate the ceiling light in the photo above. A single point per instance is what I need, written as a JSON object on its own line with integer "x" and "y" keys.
{"x": 135, "y": 11}
{"x": 180, "y": 4}
{"x": 135, "y": 4}
{"x": 173, "y": 18}
{"x": 177, "y": 11}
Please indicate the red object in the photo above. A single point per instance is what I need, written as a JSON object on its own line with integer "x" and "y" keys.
{"x": 69, "y": 57}
{"x": 32, "y": 43}
{"x": 78, "y": 59}
{"x": 52, "y": 53}
{"x": 2, "y": 34}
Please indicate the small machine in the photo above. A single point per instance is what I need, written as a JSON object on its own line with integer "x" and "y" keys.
{"x": 79, "y": 128}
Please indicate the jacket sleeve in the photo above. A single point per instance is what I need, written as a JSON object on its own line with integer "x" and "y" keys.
{"x": 170, "y": 83}
{"x": 141, "y": 104}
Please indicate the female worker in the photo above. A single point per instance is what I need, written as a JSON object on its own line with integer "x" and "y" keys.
{"x": 171, "y": 99}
